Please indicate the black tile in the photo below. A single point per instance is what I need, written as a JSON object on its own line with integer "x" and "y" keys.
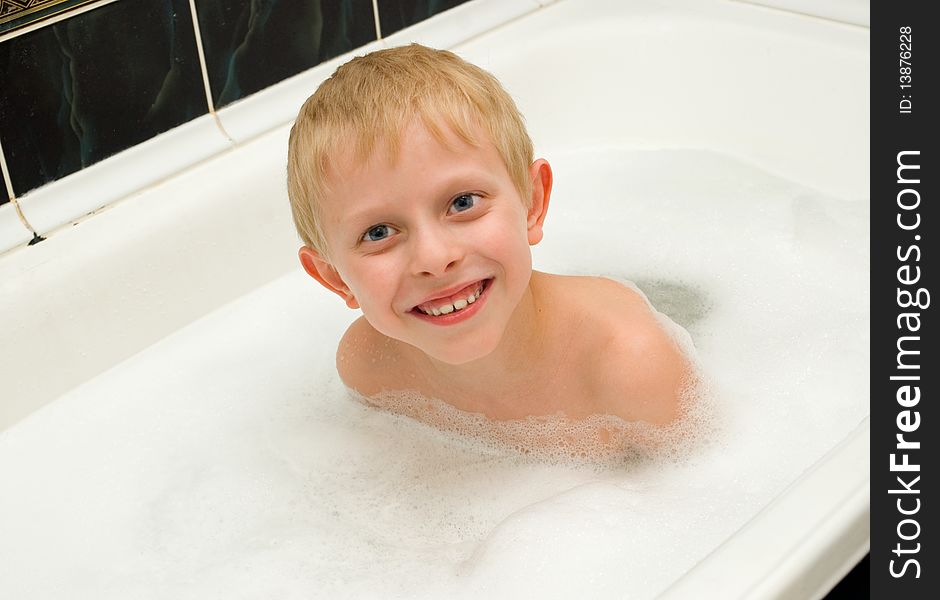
{"x": 251, "y": 44}
{"x": 398, "y": 14}
{"x": 88, "y": 87}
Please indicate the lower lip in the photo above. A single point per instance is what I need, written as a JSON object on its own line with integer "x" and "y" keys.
{"x": 458, "y": 316}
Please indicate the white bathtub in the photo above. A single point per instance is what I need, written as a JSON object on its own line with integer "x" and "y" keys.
{"x": 151, "y": 355}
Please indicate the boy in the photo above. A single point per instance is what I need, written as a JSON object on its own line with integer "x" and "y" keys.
{"x": 413, "y": 186}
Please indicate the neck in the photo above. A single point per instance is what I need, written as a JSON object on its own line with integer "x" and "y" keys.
{"x": 501, "y": 378}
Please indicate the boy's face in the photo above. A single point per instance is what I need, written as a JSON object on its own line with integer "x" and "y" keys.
{"x": 430, "y": 230}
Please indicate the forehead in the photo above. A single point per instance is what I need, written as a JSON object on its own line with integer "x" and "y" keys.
{"x": 388, "y": 150}
{"x": 422, "y": 162}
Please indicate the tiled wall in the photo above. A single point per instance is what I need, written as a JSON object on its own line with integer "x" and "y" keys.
{"x": 86, "y": 87}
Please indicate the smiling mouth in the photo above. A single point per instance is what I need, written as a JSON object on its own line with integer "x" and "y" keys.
{"x": 454, "y": 303}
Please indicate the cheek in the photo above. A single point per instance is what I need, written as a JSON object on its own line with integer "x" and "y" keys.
{"x": 511, "y": 245}
{"x": 373, "y": 284}
{"x": 506, "y": 233}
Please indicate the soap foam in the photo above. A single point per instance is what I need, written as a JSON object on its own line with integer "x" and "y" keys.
{"x": 598, "y": 441}
{"x": 227, "y": 460}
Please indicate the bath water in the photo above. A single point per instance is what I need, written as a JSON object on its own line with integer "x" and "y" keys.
{"x": 227, "y": 460}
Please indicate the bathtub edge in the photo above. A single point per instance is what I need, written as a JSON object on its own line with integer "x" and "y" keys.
{"x": 776, "y": 556}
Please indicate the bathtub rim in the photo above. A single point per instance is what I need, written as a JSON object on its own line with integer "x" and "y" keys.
{"x": 769, "y": 557}
{"x": 722, "y": 567}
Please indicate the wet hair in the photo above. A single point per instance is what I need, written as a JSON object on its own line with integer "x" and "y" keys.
{"x": 372, "y": 98}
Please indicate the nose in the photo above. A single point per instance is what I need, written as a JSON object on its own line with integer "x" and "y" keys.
{"x": 434, "y": 251}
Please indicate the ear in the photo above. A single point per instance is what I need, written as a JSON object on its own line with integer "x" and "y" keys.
{"x": 540, "y": 176}
{"x": 321, "y": 270}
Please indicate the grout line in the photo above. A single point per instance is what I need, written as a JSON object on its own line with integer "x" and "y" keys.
{"x": 202, "y": 56}
{"x": 19, "y": 212}
{"x": 221, "y": 128}
{"x": 8, "y": 183}
{"x": 6, "y": 173}
{"x": 378, "y": 26}
{"x": 205, "y": 72}
{"x": 65, "y": 14}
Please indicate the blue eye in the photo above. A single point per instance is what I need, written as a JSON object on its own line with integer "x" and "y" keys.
{"x": 377, "y": 233}
{"x": 464, "y": 202}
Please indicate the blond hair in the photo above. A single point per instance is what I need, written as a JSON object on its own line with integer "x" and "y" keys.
{"x": 373, "y": 97}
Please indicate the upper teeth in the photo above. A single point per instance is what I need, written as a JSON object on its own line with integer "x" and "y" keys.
{"x": 457, "y": 305}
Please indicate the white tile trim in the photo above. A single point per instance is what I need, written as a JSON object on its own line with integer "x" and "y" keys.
{"x": 853, "y": 12}
{"x": 150, "y": 162}
{"x": 461, "y": 23}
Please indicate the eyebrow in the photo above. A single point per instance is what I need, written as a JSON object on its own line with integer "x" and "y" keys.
{"x": 364, "y": 215}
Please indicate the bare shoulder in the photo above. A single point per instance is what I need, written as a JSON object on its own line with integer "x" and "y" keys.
{"x": 353, "y": 352}
{"x": 639, "y": 370}
{"x": 366, "y": 359}
{"x": 599, "y": 296}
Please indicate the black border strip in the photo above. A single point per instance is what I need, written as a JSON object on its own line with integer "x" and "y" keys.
{"x": 904, "y": 373}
